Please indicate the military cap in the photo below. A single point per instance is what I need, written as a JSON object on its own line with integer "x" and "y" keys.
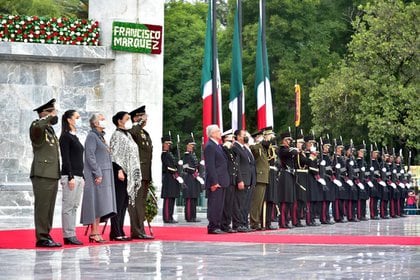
{"x": 361, "y": 147}
{"x": 375, "y": 148}
{"x": 139, "y": 111}
{"x": 47, "y": 106}
{"x": 268, "y": 130}
{"x": 190, "y": 141}
{"x": 326, "y": 141}
{"x": 257, "y": 133}
{"x": 309, "y": 138}
{"x": 300, "y": 138}
{"x": 285, "y": 135}
{"x": 167, "y": 139}
{"x": 339, "y": 143}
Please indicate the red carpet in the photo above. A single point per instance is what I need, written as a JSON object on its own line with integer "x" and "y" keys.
{"x": 25, "y": 238}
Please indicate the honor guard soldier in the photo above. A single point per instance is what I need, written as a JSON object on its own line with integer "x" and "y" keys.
{"x": 193, "y": 182}
{"x": 349, "y": 181}
{"x": 316, "y": 188}
{"x": 145, "y": 146}
{"x": 302, "y": 187}
{"x": 394, "y": 196}
{"x": 233, "y": 168}
{"x": 287, "y": 190}
{"x": 45, "y": 172}
{"x": 400, "y": 184}
{"x": 271, "y": 194}
{"x": 171, "y": 181}
{"x": 384, "y": 182}
{"x": 360, "y": 181}
{"x": 342, "y": 194}
{"x": 375, "y": 178}
{"x": 326, "y": 172}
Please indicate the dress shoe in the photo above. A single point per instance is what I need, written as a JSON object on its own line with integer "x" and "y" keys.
{"x": 47, "y": 243}
{"x": 171, "y": 222}
{"x": 120, "y": 238}
{"x": 256, "y": 228}
{"x": 72, "y": 241}
{"x": 229, "y": 230}
{"x": 271, "y": 227}
{"x": 215, "y": 231}
{"x": 242, "y": 229}
{"x": 142, "y": 236}
{"x": 298, "y": 225}
{"x": 363, "y": 219}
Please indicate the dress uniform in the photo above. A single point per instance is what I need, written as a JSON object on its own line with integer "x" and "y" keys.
{"x": 375, "y": 179}
{"x": 342, "y": 194}
{"x": 262, "y": 165}
{"x": 192, "y": 181}
{"x": 145, "y": 146}
{"x": 401, "y": 186}
{"x": 326, "y": 172}
{"x": 395, "y": 195}
{"x": 384, "y": 190}
{"x": 171, "y": 181}
{"x": 272, "y": 190}
{"x": 233, "y": 169}
{"x": 360, "y": 181}
{"x": 45, "y": 172}
{"x": 353, "y": 188}
{"x": 287, "y": 190}
{"x": 302, "y": 186}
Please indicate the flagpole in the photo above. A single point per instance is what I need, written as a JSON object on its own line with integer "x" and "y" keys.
{"x": 240, "y": 97}
{"x": 263, "y": 41}
{"x": 214, "y": 65}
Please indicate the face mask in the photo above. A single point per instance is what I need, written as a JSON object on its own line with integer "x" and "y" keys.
{"x": 128, "y": 125}
{"x": 78, "y": 122}
{"x": 54, "y": 120}
{"x": 246, "y": 139}
{"x": 102, "y": 124}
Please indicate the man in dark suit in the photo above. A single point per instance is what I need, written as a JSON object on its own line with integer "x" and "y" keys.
{"x": 245, "y": 177}
{"x": 45, "y": 172}
{"x": 217, "y": 178}
{"x": 144, "y": 143}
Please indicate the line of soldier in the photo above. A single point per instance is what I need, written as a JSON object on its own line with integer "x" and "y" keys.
{"x": 286, "y": 183}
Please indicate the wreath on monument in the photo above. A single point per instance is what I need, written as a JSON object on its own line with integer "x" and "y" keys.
{"x": 62, "y": 30}
{"x": 151, "y": 206}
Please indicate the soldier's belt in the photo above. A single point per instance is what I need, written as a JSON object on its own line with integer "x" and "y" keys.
{"x": 343, "y": 169}
{"x": 302, "y": 170}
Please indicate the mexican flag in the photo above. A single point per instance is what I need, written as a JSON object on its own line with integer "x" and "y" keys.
{"x": 210, "y": 79}
{"x": 262, "y": 77}
{"x": 237, "y": 96}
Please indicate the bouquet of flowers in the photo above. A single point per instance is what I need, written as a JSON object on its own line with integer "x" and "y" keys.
{"x": 151, "y": 206}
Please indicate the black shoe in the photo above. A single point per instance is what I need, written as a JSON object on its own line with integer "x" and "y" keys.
{"x": 120, "y": 238}
{"x": 298, "y": 225}
{"x": 271, "y": 227}
{"x": 72, "y": 241}
{"x": 215, "y": 231}
{"x": 142, "y": 236}
{"x": 47, "y": 243}
{"x": 196, "y": 220}
{"x": 229, "y": 230}
{"x": 363, "y": 219}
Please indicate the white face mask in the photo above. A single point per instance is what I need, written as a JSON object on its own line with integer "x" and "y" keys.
{"x": 128, "y": 125}
{"x": 78, "y": 122}
{"x": 102, "y": 124}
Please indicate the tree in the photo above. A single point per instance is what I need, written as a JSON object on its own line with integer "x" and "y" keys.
{"x": 379, "y": 76}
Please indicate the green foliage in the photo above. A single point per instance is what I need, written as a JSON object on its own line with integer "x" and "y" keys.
{"x": 379, "y": 77}
{"x": 48, "y": 8}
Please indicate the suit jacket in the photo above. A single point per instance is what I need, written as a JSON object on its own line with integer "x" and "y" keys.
{"x": 245, "y": 169}
{"x": 46, "y": 162}
{"x": 144, "y": 142}
{"x": 216, "y": 165}
{"x": 261, "y": 162}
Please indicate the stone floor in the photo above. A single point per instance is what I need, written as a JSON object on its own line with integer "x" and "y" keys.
{"x": 205, "y": 260}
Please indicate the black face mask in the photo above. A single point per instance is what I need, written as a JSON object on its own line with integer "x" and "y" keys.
{"x": 266, "y": 144}
{"x": 54, "y": 120}
{"x": 246, "y": 139}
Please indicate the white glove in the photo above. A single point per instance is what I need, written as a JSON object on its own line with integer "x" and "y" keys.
{"x": 351, "y": 163}
{"x": 322, "y": 181}
{"x": 360, "y": 185}
{"x": 370, "y": 184}
{"x": 180, "y": 180}
{"x": 394, "y": 171}
{"x": 372, "y": 169}
{"x": 200, "y": 180}
{"x": 402, "y": 171}
{"x": 393, "y": 185}
{"x": 338, "y": 166}
{"x": 180, "y": 162}
{"x": 350, "y": 183}
{"x": 363, "y": 169}
{"x": 323, "y": 162}
{"x": 337, "y": 182}
{"x": 401, "y": 184}
{"x": 202, "y": 162}
{"x": 383, "y": 169}
{"x": 382, "y": 183}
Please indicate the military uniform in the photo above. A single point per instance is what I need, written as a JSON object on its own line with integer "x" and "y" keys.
{"x": 384, "y": 190}
{"x": 375, "y": 189}
{"x": 353, "y": 189}
{"x": 145, "y": 146}
{"x": 271, "y": 193}
{"x": 45, "y": 172}
{"x": 326, "y": 172}
{"x": 192, "y": 189}
{"x": 170, "y": 183}
{"x": 342, "y": 191}
{"x": 360, "y": 181}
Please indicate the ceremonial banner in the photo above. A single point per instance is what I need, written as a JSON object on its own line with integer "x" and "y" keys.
{"x": 237, "y": 96}
{"x": 297, "y": 105}
{"x": 136, "y": 37}
{"x": 210, "y": 79}
{"x": 262, "y": 77}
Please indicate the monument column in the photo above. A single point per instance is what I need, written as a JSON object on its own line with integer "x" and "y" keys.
{"x": 132, "y": 79}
